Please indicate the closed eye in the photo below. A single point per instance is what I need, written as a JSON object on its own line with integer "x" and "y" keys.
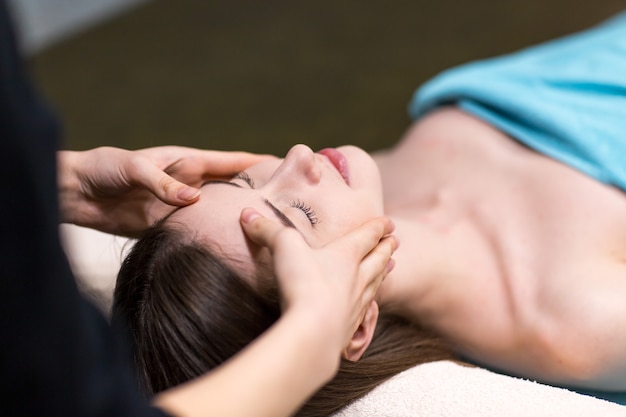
{"x": 245, "y": 178}
{"x": 307, "y": 210}
{"x": 299, "y": 204}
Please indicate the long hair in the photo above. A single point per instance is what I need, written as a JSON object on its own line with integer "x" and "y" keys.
{"x": 187, "y": 312}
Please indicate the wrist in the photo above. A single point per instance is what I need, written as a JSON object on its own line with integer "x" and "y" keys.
{"x": 322, "y": 338}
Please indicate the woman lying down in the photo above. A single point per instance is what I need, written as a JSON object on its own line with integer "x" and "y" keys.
{"x": 508, "y": 198}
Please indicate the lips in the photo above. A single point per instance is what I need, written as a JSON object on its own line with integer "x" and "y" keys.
{"x": 339, "y": 161}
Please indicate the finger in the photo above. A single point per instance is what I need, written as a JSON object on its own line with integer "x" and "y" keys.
{"x": 212, "y": 164}
{"x": 266, "y": 232}
{"x": 375, "y": 267}
{"x": 234, "y": 162}
{"x": 378, "y": 263}
{"x": 365, "y": 238}
{"x": 141, "y": 171}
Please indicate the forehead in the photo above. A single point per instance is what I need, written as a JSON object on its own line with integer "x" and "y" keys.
{"x": 214, "y": 220}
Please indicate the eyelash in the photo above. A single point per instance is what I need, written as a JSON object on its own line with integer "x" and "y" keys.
{"x": 246, "y": 178}
{"x": 299, "y": 204}
{"x": 307, "y": 210}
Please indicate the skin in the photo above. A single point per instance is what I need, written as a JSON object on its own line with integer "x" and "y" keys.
{"x": 117, "y": 190}
{"x": 300, "y": 353}
{"x": 516, "y": 258}
{"x": 303, "y": 177}
{"x": 124, "y": 192}
{"x": 520, "y": 259}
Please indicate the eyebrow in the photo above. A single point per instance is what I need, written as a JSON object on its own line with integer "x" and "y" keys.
{"x": 279, "y": 214}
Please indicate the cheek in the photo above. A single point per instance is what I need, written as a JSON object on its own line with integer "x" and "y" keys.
{"x": 346, "y": 217}
{"x": 364, "y": 206}
{"x": 336, "y": 227}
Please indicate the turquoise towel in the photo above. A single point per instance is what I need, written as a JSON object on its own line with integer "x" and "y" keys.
{"x": 565, "y": 99}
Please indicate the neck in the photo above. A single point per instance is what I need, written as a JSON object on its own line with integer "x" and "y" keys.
{"x": 418, "y": 260}
{"x": 437, "y": 248}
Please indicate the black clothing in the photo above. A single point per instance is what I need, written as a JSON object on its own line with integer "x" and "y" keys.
{"x": 58, "y": 355}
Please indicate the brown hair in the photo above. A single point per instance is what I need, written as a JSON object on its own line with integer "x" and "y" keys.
{"x": 187, "y": 312}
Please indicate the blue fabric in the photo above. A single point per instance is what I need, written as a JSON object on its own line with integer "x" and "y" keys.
{"x": 565, "y": 99}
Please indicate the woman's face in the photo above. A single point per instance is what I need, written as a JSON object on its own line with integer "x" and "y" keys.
{"x": 323, "y": 195}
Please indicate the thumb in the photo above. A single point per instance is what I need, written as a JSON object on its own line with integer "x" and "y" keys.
{"x": 259, "y": 229}
{"x": 263, "y": 231}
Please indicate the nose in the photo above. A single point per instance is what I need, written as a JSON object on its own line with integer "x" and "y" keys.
{"x": 300, "y": 163}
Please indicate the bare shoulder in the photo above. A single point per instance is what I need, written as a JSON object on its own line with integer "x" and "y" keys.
{"x": 555, "y": 306}
{"x": 565, "y": 255}
{"x": 580, "y": 330}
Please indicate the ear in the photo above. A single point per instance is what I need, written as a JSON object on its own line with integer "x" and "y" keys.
{"x": 363, "y": 336}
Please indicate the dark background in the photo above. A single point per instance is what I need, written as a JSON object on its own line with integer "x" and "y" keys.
{"x": 263, "y": 75}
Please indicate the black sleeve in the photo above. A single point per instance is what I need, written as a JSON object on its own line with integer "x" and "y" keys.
{"x": 58, "y": 355}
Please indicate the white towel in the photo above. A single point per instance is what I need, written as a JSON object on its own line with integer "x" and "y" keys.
{"x": 447, "y": 389}
{"x": 95, "y": 258}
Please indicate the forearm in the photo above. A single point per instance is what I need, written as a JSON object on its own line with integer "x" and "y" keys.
{"x": 272, "y": 377}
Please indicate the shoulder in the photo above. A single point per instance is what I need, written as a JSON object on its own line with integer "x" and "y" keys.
{"x": 580, "y": 327}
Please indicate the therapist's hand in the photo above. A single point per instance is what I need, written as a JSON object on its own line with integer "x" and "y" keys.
{"x": 124, "y": 192}
{"x": 337, "y": 282}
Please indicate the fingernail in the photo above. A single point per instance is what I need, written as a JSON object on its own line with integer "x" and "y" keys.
{"x": 248, "y": 215}
{"x": 390, "y": 265}
{"x": 188, "y": 193}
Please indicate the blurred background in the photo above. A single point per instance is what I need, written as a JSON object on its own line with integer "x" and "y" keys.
{"x": 263, "y": 75}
